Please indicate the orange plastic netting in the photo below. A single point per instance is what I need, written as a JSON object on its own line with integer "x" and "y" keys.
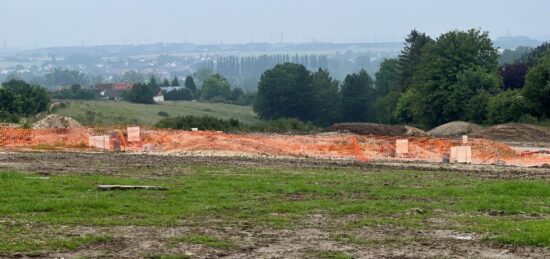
{"x": 326, "y": 145}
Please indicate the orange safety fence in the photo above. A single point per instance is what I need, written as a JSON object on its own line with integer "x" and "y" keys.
{"x": 326, "y": 145}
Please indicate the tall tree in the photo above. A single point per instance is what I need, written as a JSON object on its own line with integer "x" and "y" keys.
{"x": 513, "y": 75}
{"x": 437, "y": 73}
{"x": 327, "y": 100}
{"x": 537, "y": 86}
{"x": 358, "y": 96}
{"x": 190, "y": 84}
{"x": 388, "y": 89}
{"x": 285, "y": 91}
{"x": 175, "y": 81}
{"x": 410, "y": 56}
{"x": 140, "y": 93}
{"x": 215, "y": 86}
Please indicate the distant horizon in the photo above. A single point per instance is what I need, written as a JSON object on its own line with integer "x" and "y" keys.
{"x": 26, "y": 48}
{"x": 59, "y": 23}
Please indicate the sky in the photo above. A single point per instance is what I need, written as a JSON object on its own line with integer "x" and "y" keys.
{"x": 48, "y": 23}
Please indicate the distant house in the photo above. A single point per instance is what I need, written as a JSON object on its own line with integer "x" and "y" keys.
{"x": 123, "y": 86}
{"x": 159, "y": 96}
{"x": 112, "y": 94}
{"x": 115, "y": 86}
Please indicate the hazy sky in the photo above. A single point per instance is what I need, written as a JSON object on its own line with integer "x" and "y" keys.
{"x": 42, "y": 23}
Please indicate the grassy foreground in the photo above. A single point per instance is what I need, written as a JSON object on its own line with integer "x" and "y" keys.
{"x": 115, "y": 113}
{"x": 34, "y": 210}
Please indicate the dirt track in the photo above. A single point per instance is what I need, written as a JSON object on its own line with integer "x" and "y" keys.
{"x": 52, "y": 163}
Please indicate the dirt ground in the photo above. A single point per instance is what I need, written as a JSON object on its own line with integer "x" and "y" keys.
{"x": 317, "y": 232}
{"x": 119, "y": 164}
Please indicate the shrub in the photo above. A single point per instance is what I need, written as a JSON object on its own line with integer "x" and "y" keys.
{"x": 232, "y": 125}
{"x": 506, "y": 107}
{"x": 163, "y": 114}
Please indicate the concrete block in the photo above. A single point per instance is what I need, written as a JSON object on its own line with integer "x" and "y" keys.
{"x": 133, "y": 134}
{"x": 401, "y": 146}
{"x": 461, "y": 154}
{"x": 101, "y": 142}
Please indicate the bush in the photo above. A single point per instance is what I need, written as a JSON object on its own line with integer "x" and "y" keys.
{"x": 283, "y": 125}
{"x": 233, "y": 125}
{"x": 17, "y": 98}
{"x": 163, "y": 114}
{"x": 203, "y": 123}
{"x": 506, "y": 107}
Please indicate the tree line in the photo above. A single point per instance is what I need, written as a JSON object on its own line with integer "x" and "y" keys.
{"x": 433, "y": 81}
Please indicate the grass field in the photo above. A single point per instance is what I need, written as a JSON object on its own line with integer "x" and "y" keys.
{"x": 231, "y": 210}
{"x": 118, "y": 113}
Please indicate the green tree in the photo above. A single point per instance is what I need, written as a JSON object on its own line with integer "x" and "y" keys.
{"x": 215, "y": 86}
{"x": 326, "y": 97}
{"x": 537, "y": 86}
{"x": 175, "y": 81}
{"x": 388, "y": 89}
{"x": 358, "y": 96}
{"x": 19, "y": 98}
{"x": 437, "y": 76}
{"x": 506, "y": 107}
{"x": 467, "y": 98}
{"x": 190, "y": 84}
{"x": 286, "y": 91}
{"x": 410, "y": 56}
{"x": 140, "y": 93}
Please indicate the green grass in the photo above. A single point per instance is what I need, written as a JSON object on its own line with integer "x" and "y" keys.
{"x": 116, "y": 113}
{"x": 503, "y": 211}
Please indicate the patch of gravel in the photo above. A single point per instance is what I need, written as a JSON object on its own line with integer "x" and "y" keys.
{"x": 454, "y": 129}
{"x": 54, "y": 121}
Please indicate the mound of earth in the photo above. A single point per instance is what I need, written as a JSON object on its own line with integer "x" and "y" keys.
{"x": 54, "y": 121}
{"x": 375, "y": 129}
{"x": 455, "y": 128}
{"x": 516, "y": 132}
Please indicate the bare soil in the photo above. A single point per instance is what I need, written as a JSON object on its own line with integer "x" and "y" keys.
{"x": 516, "y": 132}
{"x": 123, "y": 164}
{"x": 454, "y": 129}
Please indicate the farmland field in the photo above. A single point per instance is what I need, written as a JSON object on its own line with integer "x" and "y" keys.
{"x": 253, "y": 207}
{"x": 99, "y": 113}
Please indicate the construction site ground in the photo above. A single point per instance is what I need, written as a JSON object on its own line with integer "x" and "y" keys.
{"x": 267, "y": 207}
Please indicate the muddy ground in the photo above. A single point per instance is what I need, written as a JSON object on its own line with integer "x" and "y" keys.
{"x": 315, "y": 233}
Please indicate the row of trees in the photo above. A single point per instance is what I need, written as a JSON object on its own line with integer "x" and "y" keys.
{"x": 215, "y": 88}
{"x": 254, "y": 66}
{"x": 290, "y": 90}
{"x": 433, "y": 81}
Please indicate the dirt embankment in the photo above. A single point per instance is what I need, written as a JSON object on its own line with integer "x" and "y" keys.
{"x": 455, "y": 129}
{"x": 515, "y": 132}
{"x": 54, "y": 121}
{"x": 375, "y": 129}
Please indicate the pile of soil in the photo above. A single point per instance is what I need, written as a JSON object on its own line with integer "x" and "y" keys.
{"x": 54, "y": 121}
{"x": 454, "y": 129}
{"x": 374, "y": 129}
{"x": 515, "y": 132}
